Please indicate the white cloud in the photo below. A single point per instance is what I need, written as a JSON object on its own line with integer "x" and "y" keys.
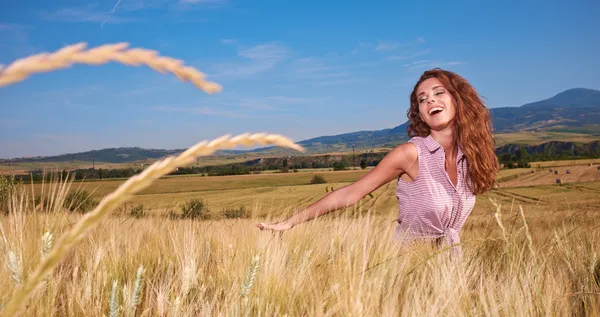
{"x": 387, "y": 46}
{"x": 113, "y": 13}
{"x": 310, "y": 66}
{"x": 260, "y": 58}
{"x": 411, "y": 64}
{"x": 90, "y": 13}
{"x": 269, "y": 51}
{"x": 409, "y": 56}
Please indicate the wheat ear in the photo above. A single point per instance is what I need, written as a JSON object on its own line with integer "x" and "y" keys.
{"x": 124, "y": 192}
{"x": 21, "y": 69}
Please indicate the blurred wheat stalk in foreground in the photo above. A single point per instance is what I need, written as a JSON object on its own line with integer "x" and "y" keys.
{"x": 21, "y": 69}
{"x": 72, "y": 54}
{"x": 124, "y": 192}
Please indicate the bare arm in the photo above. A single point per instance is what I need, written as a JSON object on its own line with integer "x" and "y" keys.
{"x": 391, "y": 166}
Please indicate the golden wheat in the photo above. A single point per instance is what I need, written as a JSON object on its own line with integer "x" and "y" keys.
{"x": 124, "y": 192}
{"x": 65, "y": 57}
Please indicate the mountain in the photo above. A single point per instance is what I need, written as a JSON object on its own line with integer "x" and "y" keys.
{"x": 573, "y": 110}
{"x": 111, "y": 155}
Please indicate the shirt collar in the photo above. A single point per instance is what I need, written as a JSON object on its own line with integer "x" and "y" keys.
{"x": 433, "y": 146}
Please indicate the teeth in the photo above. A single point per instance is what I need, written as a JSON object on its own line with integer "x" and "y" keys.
{"x": 435, "y": 109}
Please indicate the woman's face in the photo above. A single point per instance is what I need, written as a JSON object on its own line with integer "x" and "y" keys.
{"x": 436, "y": 105}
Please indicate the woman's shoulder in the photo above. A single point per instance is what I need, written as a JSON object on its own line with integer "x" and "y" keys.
{"x": 402, "y": 157}
{"x": 417, "y": 141}
{"x": 417, "y": 138}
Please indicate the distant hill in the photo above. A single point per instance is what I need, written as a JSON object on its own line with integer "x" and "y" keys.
{"x": 573, "y": 110}
{"x": 111, "y": 155}
{"x": 555, "y": 148}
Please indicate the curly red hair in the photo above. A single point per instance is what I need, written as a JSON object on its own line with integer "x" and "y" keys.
{"x": 472, "y": 124}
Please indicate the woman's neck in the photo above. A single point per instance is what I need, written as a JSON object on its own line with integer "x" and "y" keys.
{"x": 447, "y": 139}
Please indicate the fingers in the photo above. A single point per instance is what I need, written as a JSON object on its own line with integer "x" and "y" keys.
{"x": 275, "y": 227}
{"x": 263, "y": 226}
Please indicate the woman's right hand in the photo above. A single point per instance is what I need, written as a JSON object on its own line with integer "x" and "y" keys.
{"x": 280, "y": 226}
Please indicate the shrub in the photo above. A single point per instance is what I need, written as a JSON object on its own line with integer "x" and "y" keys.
{"x": 195, "y": 208}
{"x": 7, "y": 189}
{"x": 363, "y": 163}
{"x": 137, "y": 211}
{"x": 318, "y": 179}
{"x": 79, "y": 201}
{"x": 232, "y": 212}
{"x": 340, "y": 166}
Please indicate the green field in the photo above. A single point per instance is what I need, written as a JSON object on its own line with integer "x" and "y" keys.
{"x": 587, "y": 129}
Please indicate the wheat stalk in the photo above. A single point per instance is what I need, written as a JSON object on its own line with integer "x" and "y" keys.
{"x": 124, "y": 192}
{"x": 250, "y": 278}
{"x": 22, "y": 68}
{"x": 114, "y": 300}
{"x": 136, "y": 298}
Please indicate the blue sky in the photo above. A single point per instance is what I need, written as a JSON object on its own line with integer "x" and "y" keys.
{"x": 302, "y": 69}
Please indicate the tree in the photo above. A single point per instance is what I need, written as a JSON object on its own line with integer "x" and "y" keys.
{"x": 505, "y": 158}
{"x": 363, "y": 163}
{"x": 318, "y": 179}
{"x": 522, "y": 154}
{"x": 339, "y": 166}
{"x": 284, "y": 164}
{"x": 522, "y": 158}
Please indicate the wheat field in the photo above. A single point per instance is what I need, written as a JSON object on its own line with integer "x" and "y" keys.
{"x": 346, "y": 264}
{"x": 58, "y": 263}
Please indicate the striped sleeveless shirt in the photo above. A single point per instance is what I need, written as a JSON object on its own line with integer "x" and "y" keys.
{"x": 431, "y": 207}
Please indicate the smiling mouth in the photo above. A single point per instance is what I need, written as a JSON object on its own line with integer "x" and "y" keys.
{"x": 435, "y": 110}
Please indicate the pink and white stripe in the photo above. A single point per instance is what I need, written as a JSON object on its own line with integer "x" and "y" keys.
{"x": 431, "y": 207}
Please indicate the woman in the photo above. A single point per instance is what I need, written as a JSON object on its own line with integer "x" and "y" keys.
{"x": 448, "y": 160}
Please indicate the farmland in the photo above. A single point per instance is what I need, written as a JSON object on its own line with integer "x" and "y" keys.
{"x": 344, "y": 263}
{"x": 267, "y": 192}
